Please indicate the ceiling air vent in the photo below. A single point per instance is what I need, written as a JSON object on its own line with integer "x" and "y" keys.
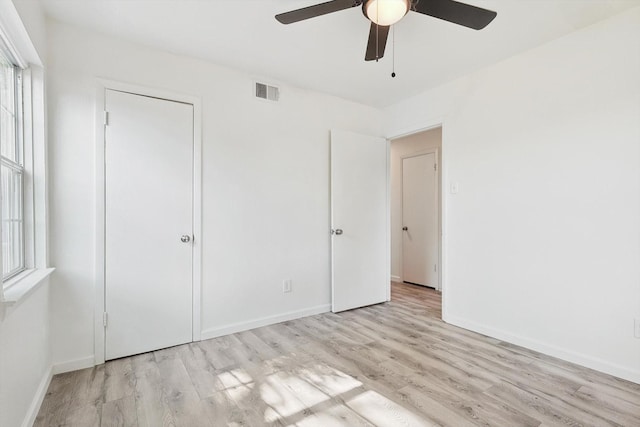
{"x": 267, "y": 92}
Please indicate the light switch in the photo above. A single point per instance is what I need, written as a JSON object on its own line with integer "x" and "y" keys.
{"x": 455, "y": 188}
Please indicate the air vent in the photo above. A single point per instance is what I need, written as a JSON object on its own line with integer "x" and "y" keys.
{"x": 264, "y": 91}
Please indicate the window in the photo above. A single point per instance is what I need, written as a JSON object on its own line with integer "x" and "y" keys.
{"x": 11, "y": 169}
{"x": 23, "y": 164}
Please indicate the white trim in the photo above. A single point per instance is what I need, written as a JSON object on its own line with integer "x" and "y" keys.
{"x": 388, "y": 212}
{"x": 40, "y": 169}
{"x": 548, "y": 349}
{"x": 444, "y": 201}
{"x": 264, "y": 321}
{"x": 28, "y": 195}
{"x": 73, "y": 365}
{"x": 99, "y": 332}
{"x": 23, "y": 285}
{"x": 38, "y": 398}
{"x": 101, "y": 87}
{"x": 196, "y": 330}
{"x": 396, "y": 279}
{"x": 432, "y": 124}
{"x": 15, "y": 36}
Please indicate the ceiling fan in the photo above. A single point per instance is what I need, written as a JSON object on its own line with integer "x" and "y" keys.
{"x": 384, "y": 13}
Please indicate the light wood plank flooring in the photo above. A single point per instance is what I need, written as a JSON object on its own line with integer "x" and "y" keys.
{"x": 394, "y": 364}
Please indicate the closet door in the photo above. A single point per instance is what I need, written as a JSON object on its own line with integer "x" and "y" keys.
{"x": 149, "y": 224}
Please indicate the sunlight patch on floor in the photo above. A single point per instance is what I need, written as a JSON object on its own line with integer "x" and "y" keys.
{"x": 330, "y": 380}
{"x": 237, "y": 383}
{"x": 320, "y": 395}
{"x": 235, "y": 378}
{"x": 383, "y": 412}
{"x": 325, "y": 396}
{"x": 288, "y": 395}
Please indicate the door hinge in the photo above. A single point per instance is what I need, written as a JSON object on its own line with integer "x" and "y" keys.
{"x": 435, "y": 267}
{"x": 106, "y": 118}
{"x": 435, "y": 167}
{"x": 104, "y": 319}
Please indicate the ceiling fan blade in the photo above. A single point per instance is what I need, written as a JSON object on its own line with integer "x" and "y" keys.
{"x": 458, "y": 13}
{"x": 377, "y": 42}
{"x": 316, "y": 10}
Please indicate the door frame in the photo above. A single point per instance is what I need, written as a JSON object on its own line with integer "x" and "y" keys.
{"x": 102, "y": 86}
{"x": 429, "y": 124}
{"x": 435, "y": 152}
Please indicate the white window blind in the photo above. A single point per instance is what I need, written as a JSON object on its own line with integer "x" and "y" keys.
{"x": 11, "y": 168}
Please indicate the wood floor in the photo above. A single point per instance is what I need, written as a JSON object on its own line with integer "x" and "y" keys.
{"x": 394, "y": 364}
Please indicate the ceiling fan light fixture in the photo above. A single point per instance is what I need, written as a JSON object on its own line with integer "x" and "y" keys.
{"x": 386, "y": 12}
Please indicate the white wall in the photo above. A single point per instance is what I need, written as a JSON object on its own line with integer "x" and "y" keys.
{"x": 403, "y": 147}
{"x": 25, "y": 357}
{"x": 265, "y": 184}
{"x": 542, "y": 241}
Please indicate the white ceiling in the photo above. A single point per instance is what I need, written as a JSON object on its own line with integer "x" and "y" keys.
{"x": 327, "y": 53}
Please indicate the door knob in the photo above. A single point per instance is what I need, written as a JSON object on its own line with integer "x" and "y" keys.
{"x": 405, "y": 228}
{"x": 185, "y": 239}
{"x": 337, "y": 232}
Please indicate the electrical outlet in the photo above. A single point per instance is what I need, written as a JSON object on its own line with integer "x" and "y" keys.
{"x": 286, "y": 286}
{"x": 636, "y": 327}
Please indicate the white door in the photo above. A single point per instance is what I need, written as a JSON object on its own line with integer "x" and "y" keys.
{"x": 148, "y": 267}
{"x": 360, "y": 248}
{"x": 420, "y": 220}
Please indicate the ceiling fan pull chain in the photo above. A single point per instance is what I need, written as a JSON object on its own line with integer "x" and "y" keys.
{"x": 393, "y": 51}
{"x": 377, "y": 40}
{"x": 377, "y": 32}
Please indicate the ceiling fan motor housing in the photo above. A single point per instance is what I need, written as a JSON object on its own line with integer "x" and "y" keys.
{"x": 386, "y": 12}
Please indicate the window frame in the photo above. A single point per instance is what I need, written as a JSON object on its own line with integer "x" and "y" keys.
{"x": 17, "y": 166}
{"x": 17, "y": 46}
{"x": 31, "y": 119}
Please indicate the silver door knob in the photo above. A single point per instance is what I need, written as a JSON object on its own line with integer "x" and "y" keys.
{"x": 185, "y": 239}
{"x": 405, "y": 228}
{"x": 337, "y": 232}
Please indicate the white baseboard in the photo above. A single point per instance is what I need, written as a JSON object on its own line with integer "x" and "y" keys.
{"x": 396, "y": 279}
{"x": 41, "y": 392}
{"x": 548, "y": 349}
{"x": 73, "y": 365}
{"x": 264, "y": 321}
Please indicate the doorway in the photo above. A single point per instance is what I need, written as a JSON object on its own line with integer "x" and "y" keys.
{"x": 416, "y": 209}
